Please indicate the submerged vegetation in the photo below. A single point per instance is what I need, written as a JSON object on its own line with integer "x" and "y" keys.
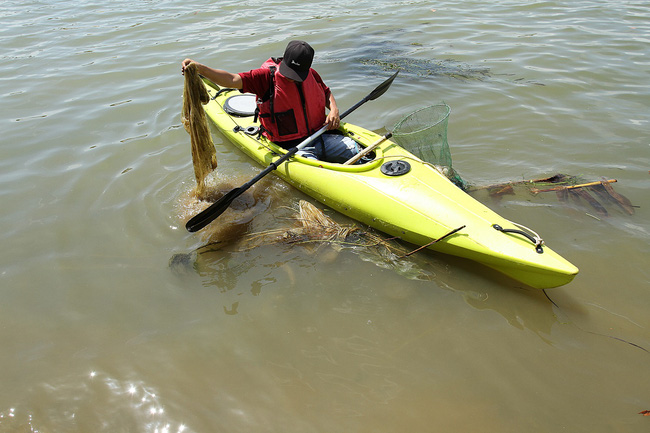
{"x": 418, "y": 59}
{"x": 424, "y": 67}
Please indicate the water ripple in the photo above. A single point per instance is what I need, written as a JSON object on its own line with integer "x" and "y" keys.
{"x": 95, "y": 166}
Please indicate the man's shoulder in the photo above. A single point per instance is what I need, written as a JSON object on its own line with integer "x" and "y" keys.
{"x": 256, "y": 80}
{"x": 317, "y": 76}
{"x": 257, "y": 73}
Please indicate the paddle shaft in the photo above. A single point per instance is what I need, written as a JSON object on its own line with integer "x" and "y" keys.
{"x": 368, "y": 149}
{"x": 214, "y": 210}
{"x": 275, "y": 164}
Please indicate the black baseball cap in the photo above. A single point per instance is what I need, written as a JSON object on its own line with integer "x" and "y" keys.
{"x": 297, "y": 60}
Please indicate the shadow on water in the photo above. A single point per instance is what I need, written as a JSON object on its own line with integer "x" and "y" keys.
{"x": 240, "y": 262}
{"x": 226, "y": 259}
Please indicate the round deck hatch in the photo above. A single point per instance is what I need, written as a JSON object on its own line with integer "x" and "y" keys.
{"x": 241, "y": 105}
{"x": 395, "y": 168}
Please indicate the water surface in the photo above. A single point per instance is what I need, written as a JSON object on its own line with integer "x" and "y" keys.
{"x": 98, "y": 333}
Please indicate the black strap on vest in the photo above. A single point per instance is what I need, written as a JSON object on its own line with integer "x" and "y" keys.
{"x": 270, "y": 94}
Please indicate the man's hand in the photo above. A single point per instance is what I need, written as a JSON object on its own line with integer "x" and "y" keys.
{"x": 217, "y": 76}
{"x": 185, "y": 64}
{"x": 333, "y": 120}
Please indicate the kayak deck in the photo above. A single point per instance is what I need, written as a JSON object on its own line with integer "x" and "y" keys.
{"x": 410, "y": 199}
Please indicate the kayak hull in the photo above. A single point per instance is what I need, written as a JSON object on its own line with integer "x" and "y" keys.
{"x": 418, "y": 206}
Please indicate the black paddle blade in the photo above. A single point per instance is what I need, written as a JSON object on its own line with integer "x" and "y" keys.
{"x": 382, "y": 88}
{"x": 208, "y": 215}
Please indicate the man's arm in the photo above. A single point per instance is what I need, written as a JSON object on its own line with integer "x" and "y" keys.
{"x": 217, "y": 76}
{"x": 333, "y": 120}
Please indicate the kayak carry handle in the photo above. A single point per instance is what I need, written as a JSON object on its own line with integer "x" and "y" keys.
{"x": 537, "y": 241}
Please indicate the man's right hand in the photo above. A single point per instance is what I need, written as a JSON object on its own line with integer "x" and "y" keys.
{"x": 185, "y": 64}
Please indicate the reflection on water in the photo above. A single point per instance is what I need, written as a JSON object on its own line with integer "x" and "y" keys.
{"x": 93, "y": 402}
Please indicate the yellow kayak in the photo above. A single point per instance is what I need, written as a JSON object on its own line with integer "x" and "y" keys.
{"x": 399, "y": 194}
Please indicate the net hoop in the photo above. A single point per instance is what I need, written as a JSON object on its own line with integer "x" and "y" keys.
{"x": 424, "y": 134}
{"x": 399, "y": 128}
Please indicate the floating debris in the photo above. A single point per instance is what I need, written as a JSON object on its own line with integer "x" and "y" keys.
{"x": 313, "y": 230}
{"x": 564, "y": 186}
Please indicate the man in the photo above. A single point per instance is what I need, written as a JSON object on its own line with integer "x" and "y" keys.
{"x": 291, "y": 100}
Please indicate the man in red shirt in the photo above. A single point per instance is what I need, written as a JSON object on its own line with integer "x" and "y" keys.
{"x": 295, "y": 107}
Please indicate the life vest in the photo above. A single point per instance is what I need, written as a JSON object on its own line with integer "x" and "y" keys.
{"x": 290, "y": 110}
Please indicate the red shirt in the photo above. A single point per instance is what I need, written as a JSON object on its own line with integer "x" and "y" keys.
{"x": 257, "y": 81}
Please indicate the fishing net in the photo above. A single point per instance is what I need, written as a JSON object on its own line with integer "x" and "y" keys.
{"x": 424, "y": 134}
{"x": 204, "y": 155}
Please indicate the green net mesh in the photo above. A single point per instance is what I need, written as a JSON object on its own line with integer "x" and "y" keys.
{"x": 424, "y": 134}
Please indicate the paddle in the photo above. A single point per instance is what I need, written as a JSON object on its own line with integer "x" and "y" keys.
{"x": 206, "y": 216}
{"x": 368, "y": 149}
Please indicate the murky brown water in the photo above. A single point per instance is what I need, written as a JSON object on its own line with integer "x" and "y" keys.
{"x": 99, "y": 333}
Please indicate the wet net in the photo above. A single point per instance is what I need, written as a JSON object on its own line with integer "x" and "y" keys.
{"x": 204, "y": 155}
{"x": 424, "y": 134}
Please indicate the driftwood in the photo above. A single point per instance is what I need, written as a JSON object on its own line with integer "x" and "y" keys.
{"x": 603, "y": 189}
{"x": 589, "y": 199}
{"x": 566, "y": 186}
{"x": 558, "y": 178}
{"x": 584, "y": 185}
{"x": 622, "y": 201}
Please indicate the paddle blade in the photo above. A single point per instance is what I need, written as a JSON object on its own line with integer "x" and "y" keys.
{"x": 382, "y": 88}
{"x": 208, "y": 215}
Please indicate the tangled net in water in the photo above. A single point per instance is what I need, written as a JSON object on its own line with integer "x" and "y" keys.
{"x": 313, "y": 227}
{"x": 313, "y": 230}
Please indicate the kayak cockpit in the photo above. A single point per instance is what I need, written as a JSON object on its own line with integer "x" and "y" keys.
{"x": 242, "y": 109}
